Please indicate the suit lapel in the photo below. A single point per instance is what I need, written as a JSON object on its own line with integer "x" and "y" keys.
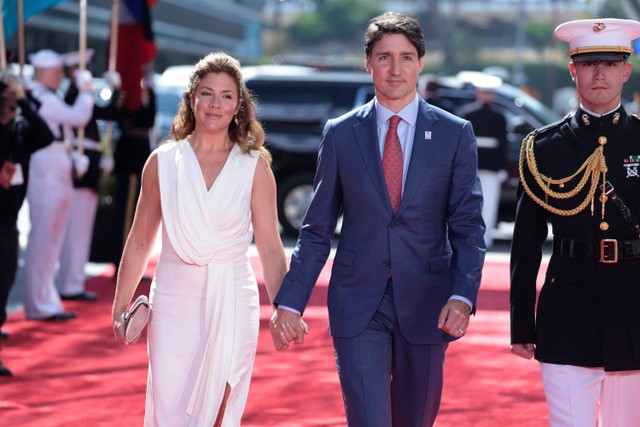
{"x": 366, "y": 134}
{"x": 421, "y": 155}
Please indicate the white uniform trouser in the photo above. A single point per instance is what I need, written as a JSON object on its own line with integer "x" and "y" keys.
{"x": 581, "y": 397}
{"x": 491, "y": 182}
{"x": 49, "y": 193}
{"x": 77, "y": 242}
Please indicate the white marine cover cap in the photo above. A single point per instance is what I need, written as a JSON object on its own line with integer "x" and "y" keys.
{"x": 593, "y": 40}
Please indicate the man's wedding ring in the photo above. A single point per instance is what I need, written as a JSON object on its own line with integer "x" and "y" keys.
{"x": 461, "y": 330}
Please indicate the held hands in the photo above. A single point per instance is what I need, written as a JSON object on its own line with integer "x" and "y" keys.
{"x": 454, "y": 318}
{"x": 287, "y": 326}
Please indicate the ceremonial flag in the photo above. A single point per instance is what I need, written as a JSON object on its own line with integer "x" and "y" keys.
{"x": 30, "y": 7}
{"x": 136, "y": 47}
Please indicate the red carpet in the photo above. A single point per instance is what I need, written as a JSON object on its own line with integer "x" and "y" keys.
{"x": 73, "y": 374}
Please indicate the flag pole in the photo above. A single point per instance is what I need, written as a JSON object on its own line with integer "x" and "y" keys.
{"x": 21, "y": 54}
{"x": 113, "y": 42}
{"x": 3, "y": 47}
{"x": 113, "y": 51}
{"x": 82, "y": 65}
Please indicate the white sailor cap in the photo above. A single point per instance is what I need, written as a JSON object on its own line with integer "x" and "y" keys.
{"x": 46, "y": 58}
{"x": 599, "y": 40}
{"x": 481, "y": 81}
{"x": 73, "y": 58}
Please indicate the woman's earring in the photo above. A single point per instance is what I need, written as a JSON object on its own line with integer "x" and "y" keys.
{"x": 235, "y": 119}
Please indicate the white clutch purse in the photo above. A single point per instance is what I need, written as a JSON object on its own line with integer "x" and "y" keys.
{"x": 136, "y": 318}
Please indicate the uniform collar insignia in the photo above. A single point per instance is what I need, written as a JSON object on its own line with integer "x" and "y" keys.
{"x": 608, "y": 121}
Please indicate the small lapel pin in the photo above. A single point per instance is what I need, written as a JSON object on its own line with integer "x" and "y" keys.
{"x": 427, "y": 134}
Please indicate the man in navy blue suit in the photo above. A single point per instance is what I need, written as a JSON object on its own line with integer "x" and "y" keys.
{"x": 408, "y": 264}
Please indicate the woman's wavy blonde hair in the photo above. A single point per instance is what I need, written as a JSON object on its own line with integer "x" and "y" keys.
{"x": 245, "y": 130}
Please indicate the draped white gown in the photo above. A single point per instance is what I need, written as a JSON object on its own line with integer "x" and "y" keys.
{"x": 205, "y": 309}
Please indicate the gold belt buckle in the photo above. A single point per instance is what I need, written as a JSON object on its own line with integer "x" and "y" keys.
{"x": 604, "y": 244}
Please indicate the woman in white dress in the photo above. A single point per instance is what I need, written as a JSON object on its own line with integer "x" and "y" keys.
{"x": 212, "y": 190}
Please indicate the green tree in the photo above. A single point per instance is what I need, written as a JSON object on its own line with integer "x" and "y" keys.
{"x": 341, "y": 21}
{"x": 539, "y": 34}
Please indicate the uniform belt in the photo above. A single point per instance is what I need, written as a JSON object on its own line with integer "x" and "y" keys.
{"x": 606, "y": 251}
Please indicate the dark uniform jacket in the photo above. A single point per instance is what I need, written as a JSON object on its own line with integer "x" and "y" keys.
{"x": 488, "y": 122}
{"x": 133, "y": 148}
{"x": 91, "y": 178}
{"x": 588, "y": 312}
{"x": 18, "y": 140}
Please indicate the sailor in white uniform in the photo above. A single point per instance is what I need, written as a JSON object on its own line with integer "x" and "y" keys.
{"x": 79, "y": 233}
{"x": 50, "y": 191}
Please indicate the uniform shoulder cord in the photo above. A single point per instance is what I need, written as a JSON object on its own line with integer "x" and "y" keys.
{"x": 591, "y": 170}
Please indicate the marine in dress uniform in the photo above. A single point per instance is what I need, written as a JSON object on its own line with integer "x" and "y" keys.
{"x": 582, "y": 175}
{"x": 76, "y": 246}
{"x": 490, "y": 128}
{"x": 20, "y": 136}
{"x": 50, "y": 190}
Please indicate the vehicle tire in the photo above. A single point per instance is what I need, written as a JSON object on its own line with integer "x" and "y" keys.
{"x": 294, "y": 196}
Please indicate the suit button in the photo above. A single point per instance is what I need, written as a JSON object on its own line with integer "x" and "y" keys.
{"x": 553, "y": 280}
{"x": 386, "y": 263}
{"x": 393, "y": 225}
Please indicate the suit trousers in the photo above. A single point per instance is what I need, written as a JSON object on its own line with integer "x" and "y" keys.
{"x": 77, "y": 242}
{"x": 588, "y": 397}
{"x": 387, "y": 381}
{"x": 50, "y": 193}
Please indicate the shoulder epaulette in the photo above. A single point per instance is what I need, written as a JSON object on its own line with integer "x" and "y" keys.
{"x": 635, "y": 117}
{"x": 554, "y": 125}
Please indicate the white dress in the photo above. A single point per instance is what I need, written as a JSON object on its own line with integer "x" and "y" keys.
{"x": 205, "y": 308}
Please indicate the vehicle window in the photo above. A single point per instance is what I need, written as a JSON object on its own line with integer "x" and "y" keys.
{"x": 168, "y": 100}
{"x": 536, "y": 108}
{"x": 295, "y": 107}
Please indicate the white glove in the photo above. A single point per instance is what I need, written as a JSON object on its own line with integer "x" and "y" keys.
{"x": 84, "y": 79}
{"x": 113, "y": 78}
{"x": 25, "y": 81}
{"x": 148, "y": 82}
{"x": 80, "y": 163}
{"x": 106, "y": 163}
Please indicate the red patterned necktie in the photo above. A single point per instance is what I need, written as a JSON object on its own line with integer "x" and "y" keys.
{"x": 392, "y": 163}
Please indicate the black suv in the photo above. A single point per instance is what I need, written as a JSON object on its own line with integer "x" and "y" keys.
{"x": 294, "y": 103}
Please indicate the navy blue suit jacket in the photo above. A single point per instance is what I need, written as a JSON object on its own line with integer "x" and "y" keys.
{"x": 433, "y": 246}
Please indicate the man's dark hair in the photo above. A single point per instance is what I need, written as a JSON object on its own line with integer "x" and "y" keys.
{"x": 393, "y": 23}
